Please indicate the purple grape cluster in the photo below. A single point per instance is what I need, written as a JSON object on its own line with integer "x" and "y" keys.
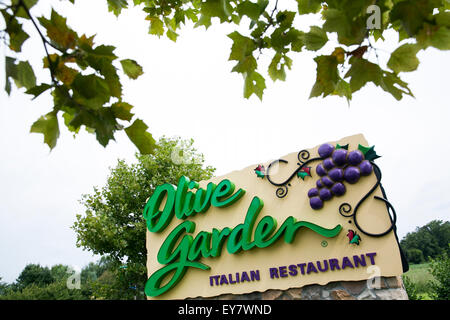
{"x": 338, "y": 166}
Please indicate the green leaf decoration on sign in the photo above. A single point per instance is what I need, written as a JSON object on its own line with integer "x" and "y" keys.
{"x": 260, "y": 171}
{"x": 353, "y": 237}
{"x": 305, "y": 172}
{"x": 338, "y": 146}
{"x": 356, "y": 239}
{"x": 369, "y": 152}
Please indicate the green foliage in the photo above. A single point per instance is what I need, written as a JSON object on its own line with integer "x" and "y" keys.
{"x": 411, "y": 288}
{"x": 30, "y": 286}
{"x": 113, "y": 225}
{"x": 440, "y": 269}
{"x": 419, "y": 281}
{"x": 415, "y": 255}
{"x": 86, "y": 98}
{"x": 84, "y": 82}
{"x": 34, "y": 274}
{"x": 427, "y": 242}
{"x": 53, "y": 291}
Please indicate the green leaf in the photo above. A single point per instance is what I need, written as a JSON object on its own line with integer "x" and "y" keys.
{"x": 247, "y": 65}
{"x": 285, "y": 19}
{"x": 276, "y": 67}
{"x": 343, "y": 89}
{"x": 315, "y": 38}
{"x": 309, "y": 6}
{"x": 395, "y": 86}
{"x": 90, "y": 91}
{"x": 412, "y": 14}
{"x": 25, "y": 77}
{"x": 336, "y": 21}
{"x": 296, "y": 37}
{"x": 121, "y": 110}
{"x": 131, "y": 68}
{"x": 443, "y": 19}
{"x": 404, "y": 59}
{"x": 21, "y": 13}
{"x": 38, "y": 90}
{"x": 434, "y": 35}
{"x": 249, "y": 9}
{"x": 254, "y": 83}
{"x": 116, "y": 6}
{"x": 59, "y": 33}
{"x": 68, "y": 117}
{"x": 48, "y": 126}
{"x": 327, "y": 76}
{"x": 350, "y": 31}
{"x": 221, "y": 9}
{"x": 259, "y": 174}
{"x": 172, "y": 35}
{"x": 10, "y": 72}
{"x": 142, "y": 139}
{"x": 242, "y": 46}
{"x": 361, "y": 72}
{"x": 156, "y": 26}
{"x": 369, "y": 152}
{"x": 338, "y": 146}
{"x": 14, "y": 29}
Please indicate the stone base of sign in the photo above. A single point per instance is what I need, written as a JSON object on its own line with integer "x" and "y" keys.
{"x": 382, "y": 288}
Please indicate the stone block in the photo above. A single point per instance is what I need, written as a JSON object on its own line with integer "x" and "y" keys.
{"x": 341, "y": 295}
{"x": 271, "y": 294}
{"x": 354, "y": 287}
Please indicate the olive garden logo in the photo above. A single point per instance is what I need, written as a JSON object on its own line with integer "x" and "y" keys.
{"x": 184, "y": 203}
{"x": 178, "y": 246}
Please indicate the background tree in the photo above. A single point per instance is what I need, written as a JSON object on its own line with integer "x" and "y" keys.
{"x": 34, "y": 274}
{"x": 28, "y": 286}
{"x": 113, "y": 226}
{"x": 440, "y": 269}
{"x": 3, "y": 287}
{"x": 428, "y": 241}
{"x": 86, "y": 86}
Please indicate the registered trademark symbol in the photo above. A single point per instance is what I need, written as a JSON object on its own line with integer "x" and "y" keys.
{"x": 324, "y": 243}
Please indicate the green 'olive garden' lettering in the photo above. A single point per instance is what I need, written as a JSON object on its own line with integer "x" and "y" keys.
{"x": 180, "y": 250}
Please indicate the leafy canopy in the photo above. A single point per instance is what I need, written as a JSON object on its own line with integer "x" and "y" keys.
{"x": 86, "y": 86}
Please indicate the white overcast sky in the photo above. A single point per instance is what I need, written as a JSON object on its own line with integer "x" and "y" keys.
{"x": 188, "y": 90}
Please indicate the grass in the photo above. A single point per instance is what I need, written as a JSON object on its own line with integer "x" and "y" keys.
{"x": 420, "y": 275}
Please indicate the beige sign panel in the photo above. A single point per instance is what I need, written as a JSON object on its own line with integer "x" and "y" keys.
{"x": 316, "y": 246}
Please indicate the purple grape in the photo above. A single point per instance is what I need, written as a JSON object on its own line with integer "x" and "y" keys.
{"x": 328, "y": 163}
{"x": 340, "y": 157}
{"x": 338, "y": 189}
{"x": 313, "y": 192}
{"x": 327, "y": 182}
{"x": 336, "y": 174}
{"x": 366, "y": 168}
{"x": 351, "y": 174}
{"x": 355, "y": 157}
{"x": 319, "y": 184}
{"x": 320, "y": 170}
{"x": 325, "y": 150}
{"x": 325, "y": 194}
{"x": 316, "y": 203}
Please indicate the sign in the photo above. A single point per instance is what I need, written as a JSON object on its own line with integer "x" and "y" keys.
{"x": 312, "y": 217}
